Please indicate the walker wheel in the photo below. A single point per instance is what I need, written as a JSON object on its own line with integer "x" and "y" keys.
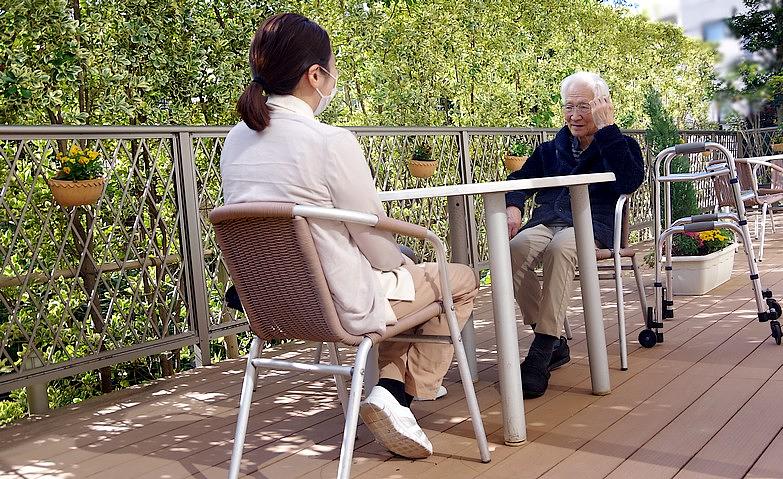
{"x": 648, "y": 338}
{"x": 777, "y": 334}
{"x": 774, "y": 306}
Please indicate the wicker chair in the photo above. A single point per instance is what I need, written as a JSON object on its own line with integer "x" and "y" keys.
{"x": 285, "y": 296}
{"x": 752, "y": 195}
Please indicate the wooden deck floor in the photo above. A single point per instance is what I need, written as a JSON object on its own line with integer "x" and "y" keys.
{"x": 705, "y": 403}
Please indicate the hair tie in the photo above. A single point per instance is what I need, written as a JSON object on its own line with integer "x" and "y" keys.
{"x": 260, "y": 81}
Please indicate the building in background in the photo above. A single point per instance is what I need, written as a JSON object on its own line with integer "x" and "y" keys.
{"x": 705, "y": 20}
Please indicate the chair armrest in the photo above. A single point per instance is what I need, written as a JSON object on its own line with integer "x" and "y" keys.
{"x": 368, "y": 219}
{"x": 402, "y": 227}
{"x": 618, "y": 222}
{"x": 386, "y": 224}
{"x": 416, "y": 231}
{"x": 755, "y": 164}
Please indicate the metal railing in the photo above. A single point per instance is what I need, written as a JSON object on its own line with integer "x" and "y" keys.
{"x": 139, "y": 273}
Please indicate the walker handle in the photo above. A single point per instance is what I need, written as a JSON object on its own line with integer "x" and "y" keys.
{"x": 701, "y": 226}
{"x": 696, "y": 147}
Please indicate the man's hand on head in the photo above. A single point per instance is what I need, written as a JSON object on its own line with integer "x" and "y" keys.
{"x": 603, "y": 110}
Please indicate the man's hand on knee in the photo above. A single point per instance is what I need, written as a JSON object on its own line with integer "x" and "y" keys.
{"x": 514, "y": 220}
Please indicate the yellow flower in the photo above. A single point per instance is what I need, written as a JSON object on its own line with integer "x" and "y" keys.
{"x": 93, "y": 155}
{"x": 71, "y": 160}
{"x": 83, "y": 160}
{"x": 74, "y": 149}
{"x": 66, "y": 170}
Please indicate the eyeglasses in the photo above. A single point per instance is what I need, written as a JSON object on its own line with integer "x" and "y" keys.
{"x": 582, "y": 109}
{"x": 327, "y": 72}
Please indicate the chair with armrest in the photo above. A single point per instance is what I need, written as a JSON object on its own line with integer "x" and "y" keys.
{"x": 285, "y": 296}
{"x": 752, "y": 195}
{"x": 622, "y": 230}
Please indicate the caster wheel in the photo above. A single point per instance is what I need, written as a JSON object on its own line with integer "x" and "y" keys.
{"x": 648, "y": 338}
{"x": 777, "y": 334}
{"x": 774, "y": 306}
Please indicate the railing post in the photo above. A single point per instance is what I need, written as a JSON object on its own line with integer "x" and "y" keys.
{"x": 37, "y": 396}
{"x": 191, "y": 244}
{"x": 462, "y": 231}
{"x": 466, "y": 175}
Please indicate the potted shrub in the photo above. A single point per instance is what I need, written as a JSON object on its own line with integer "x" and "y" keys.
{"x": 421, "y": 164}
{"x": 517, "y": 155}
{"x": 701, "y": 261}
{"x": 79, "y": 179}
{"x": 777, "y": 140}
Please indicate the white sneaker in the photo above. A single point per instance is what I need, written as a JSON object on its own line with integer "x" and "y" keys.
{"x": 442, "y": 391}
{"x": 394, "y": 425}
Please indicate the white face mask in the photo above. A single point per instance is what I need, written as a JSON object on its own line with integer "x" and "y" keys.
{"x": 325, "y": 99}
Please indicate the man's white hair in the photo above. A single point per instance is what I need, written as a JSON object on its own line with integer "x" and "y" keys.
{"x": 592, "y": 80}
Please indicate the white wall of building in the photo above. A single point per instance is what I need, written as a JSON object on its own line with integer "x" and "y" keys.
{"x": 705, "y": 20}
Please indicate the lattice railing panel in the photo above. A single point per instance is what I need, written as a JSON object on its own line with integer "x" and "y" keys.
{"x": 88, "y": 281}
{"x": 388, "y": 157}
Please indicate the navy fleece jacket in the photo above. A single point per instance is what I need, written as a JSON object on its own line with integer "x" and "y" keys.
{"x": 610, "y": 151}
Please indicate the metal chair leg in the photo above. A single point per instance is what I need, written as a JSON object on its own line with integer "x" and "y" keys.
{"x": 467, "y": 384}
{"x": 318, "y": 352}
{"x": 763, "y": 230}
{"x": 756, "y": 227}
{"x": 639, "y": 284}
{"x": 342, "y": 391}
{"x": 618, "y": 283}
{"x": 469, "y": 340}
{"x": 371, "y": 374}
{"x": 771, "y": 218}
{"x": 567, "y": 327}
{"x": 352, "y": 410}
{"x": 248, "y": 384}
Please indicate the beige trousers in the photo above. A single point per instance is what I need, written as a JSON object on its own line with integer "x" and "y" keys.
{"x": 421, "y": 366}
{"x": 545, "y": 304}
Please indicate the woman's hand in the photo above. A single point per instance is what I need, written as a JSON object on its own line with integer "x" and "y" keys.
{"x": 514, "y": 220}
{"x": 603, "y": 110}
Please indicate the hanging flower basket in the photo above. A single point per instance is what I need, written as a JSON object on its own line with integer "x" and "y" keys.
{"x": 421, "y": 164}
{"x": 514, "y": 163}
{"x": 422, "y": 169}
{"x": 76, "y": 193}
{"x": 79, "y": 179}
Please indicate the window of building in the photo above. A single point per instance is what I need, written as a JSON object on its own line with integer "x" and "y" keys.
{"x": 669, "y": 19}
{"x": 716, "y": 31}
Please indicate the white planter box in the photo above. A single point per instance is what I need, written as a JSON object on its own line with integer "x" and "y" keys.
{"x": 694, "y": 275}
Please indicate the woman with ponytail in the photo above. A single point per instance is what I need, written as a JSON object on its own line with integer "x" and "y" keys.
{"x": 281, "y": 152}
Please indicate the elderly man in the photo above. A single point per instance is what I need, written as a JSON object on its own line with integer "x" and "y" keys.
{"x": 589, "y": 142}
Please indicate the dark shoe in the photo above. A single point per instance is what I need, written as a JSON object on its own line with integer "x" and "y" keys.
{"x": 561, "y": 354}
{"x": 232, "y": 299}
{"x": 535, "y": 378}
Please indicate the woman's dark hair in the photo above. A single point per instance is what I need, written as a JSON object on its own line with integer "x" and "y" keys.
{"x": 284, "y": 47}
